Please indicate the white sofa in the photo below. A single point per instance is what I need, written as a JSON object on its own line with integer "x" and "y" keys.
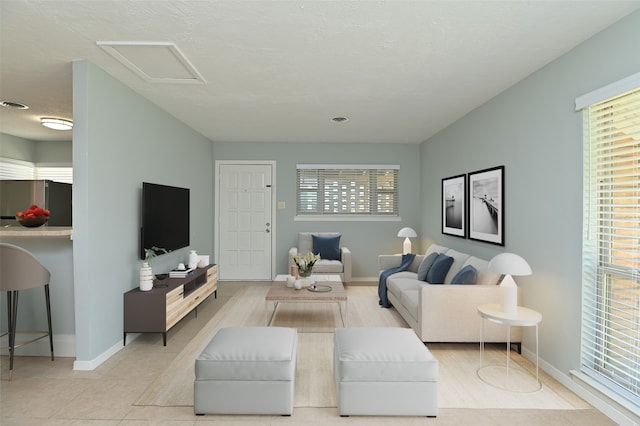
{"x": 446, "y": 312}
{"x": 340, "y": 266}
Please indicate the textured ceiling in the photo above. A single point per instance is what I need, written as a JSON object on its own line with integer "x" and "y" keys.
{"x": 278, "y": 71}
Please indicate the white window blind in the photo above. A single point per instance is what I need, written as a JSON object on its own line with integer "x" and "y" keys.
{"x": 16, "y": 169}
{"x": 611, "y": 244}
{"x": 56, "y": 174}
{"x": 343, "y": 190}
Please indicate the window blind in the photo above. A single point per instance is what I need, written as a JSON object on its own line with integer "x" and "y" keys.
{"x": 16, "y": 169}
{"x": 57, "y": 174}
{"x": 610, "y": 350}
{"x": 334, "y": 190}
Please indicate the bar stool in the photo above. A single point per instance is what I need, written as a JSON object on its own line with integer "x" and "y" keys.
{"x": 20, "y": 270}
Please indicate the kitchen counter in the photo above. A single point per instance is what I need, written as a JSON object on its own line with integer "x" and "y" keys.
{"x": 43, "y": 231}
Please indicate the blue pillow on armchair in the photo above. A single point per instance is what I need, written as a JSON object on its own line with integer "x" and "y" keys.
{"x": 439, "y": 269}
{"x": 328, "y": 247}
{"x": 466, "y": 275}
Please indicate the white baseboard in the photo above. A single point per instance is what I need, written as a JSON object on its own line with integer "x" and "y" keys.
{"x": 64, "y": 345}
{"x": 94, "y": 363}
{"x": 601, "y": 402}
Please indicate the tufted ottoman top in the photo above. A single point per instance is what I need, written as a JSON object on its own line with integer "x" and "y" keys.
{"x": 382, "y": 354}
{"x": 249, "y": 353}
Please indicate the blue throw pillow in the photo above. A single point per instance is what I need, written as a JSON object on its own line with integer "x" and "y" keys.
{"x": 327, "y": 247}
{"x": 425, "y": 265}
{"x": 466, "y": 275}
{"x": 439, "y": 269}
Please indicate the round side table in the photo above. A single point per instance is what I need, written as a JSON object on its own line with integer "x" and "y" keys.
{"x": 523, "y": 317}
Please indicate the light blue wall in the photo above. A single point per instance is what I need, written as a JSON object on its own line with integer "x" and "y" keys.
{"x": 17, "y": 148}
{"x": 49, "y": 152}
{"x": 365, "y": 239}
{"x": 120, "y": 140}
{"x": 533, "y": 130}
{"x": 54, "y": 153}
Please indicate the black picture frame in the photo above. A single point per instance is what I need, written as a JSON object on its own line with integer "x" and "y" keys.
{"x": 486, "y": 205}
{"x": 454, "y": 206}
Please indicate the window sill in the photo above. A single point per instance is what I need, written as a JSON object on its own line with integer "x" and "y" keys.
{"x": 346, "y": 218}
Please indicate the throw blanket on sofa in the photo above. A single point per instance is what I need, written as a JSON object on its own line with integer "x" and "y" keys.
{"x": 407, "y": 258}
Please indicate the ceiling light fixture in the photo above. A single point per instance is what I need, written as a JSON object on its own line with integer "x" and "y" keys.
{"x": 13, "y": 105}
{"x": 339, "y": 119}
{"x": 57, "y": 123}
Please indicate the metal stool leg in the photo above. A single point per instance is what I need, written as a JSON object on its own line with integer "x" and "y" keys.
{"x": 48, "y": 301}
{"x": 12, "y": 302}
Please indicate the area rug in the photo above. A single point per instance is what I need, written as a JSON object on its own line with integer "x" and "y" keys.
{"x": 459, "y": 385}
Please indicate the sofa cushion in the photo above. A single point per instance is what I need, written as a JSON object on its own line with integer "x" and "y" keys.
{"x": 324, "y": 266}
{"x": 434, "y": 248}
{"x": 466, "y": 275}
{"x": 439, "y": 269}
{"x": 483, "y": 275}
{"x": 328, "y": 247}
{"x": 397, "y": 284}
{"x": 425, "y": 265}
{"x": 458, "y": 262}
{"x": 410, "y": 299}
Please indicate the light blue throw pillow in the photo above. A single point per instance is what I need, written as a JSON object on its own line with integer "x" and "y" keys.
{"x": 327, "y": 247}
{"x": 466, "y": 275}
{"x": 439, "y": 269}
{"x": 425, "y": 265}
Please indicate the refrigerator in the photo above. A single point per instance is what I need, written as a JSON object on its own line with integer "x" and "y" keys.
{"x": 18, "y": 195}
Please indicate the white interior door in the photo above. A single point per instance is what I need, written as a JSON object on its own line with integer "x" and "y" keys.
{"x": 245, "y": 227}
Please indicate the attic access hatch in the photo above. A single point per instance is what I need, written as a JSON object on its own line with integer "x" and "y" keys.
{"x": 155, "y": 62}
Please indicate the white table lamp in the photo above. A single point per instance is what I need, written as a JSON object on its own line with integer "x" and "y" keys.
{"x": 407, "y": 233}
{"x": 509, "y": 264}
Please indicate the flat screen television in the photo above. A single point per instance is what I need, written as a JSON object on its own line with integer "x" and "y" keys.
{"x": 165, "y": 217}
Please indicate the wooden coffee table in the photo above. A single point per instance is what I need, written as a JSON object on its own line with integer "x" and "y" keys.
{"x": 280, "y": 293}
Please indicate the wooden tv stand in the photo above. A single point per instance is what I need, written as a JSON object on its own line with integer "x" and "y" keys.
{"x": 170, "y": 300}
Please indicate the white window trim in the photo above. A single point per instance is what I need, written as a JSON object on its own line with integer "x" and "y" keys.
{"x": 608, "y": 91}
{"x": 621, "y": 396}
{"x": 349, "y": 217}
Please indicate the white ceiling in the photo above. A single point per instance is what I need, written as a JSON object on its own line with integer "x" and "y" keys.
{"x": 278, "y": 71}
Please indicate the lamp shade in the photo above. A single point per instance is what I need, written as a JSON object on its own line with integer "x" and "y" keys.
{"x": 407, "y": 233}
{"x": 509, "y": 264}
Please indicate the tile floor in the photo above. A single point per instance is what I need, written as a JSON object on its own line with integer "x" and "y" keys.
{"x": 51, "y": 393}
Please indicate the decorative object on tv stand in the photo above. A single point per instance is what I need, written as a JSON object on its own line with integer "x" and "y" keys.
{"x": 407, "y": 233}
{"x": 203, "y": 261}
{"x": 193, "y": 259}
{"x": 305, "y": 263}
{"x": 146, "y": 272}
{"x": 509, "y": 264}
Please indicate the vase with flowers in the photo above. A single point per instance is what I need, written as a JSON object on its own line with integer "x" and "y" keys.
{"x": 305, "y": 263}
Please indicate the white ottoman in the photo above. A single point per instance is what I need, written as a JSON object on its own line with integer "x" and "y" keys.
{"x": 384, "y": 371}
{"x": 247, "y": 370}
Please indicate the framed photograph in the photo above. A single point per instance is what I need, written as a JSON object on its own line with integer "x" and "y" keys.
{"x": 454, "y": 197}
{"x": 486, "y": 205}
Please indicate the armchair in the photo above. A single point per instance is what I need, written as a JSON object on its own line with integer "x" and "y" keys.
{"x": 340, "y": 266}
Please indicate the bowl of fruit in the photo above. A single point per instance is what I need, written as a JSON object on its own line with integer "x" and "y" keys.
{"x": 33, "y": 217}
